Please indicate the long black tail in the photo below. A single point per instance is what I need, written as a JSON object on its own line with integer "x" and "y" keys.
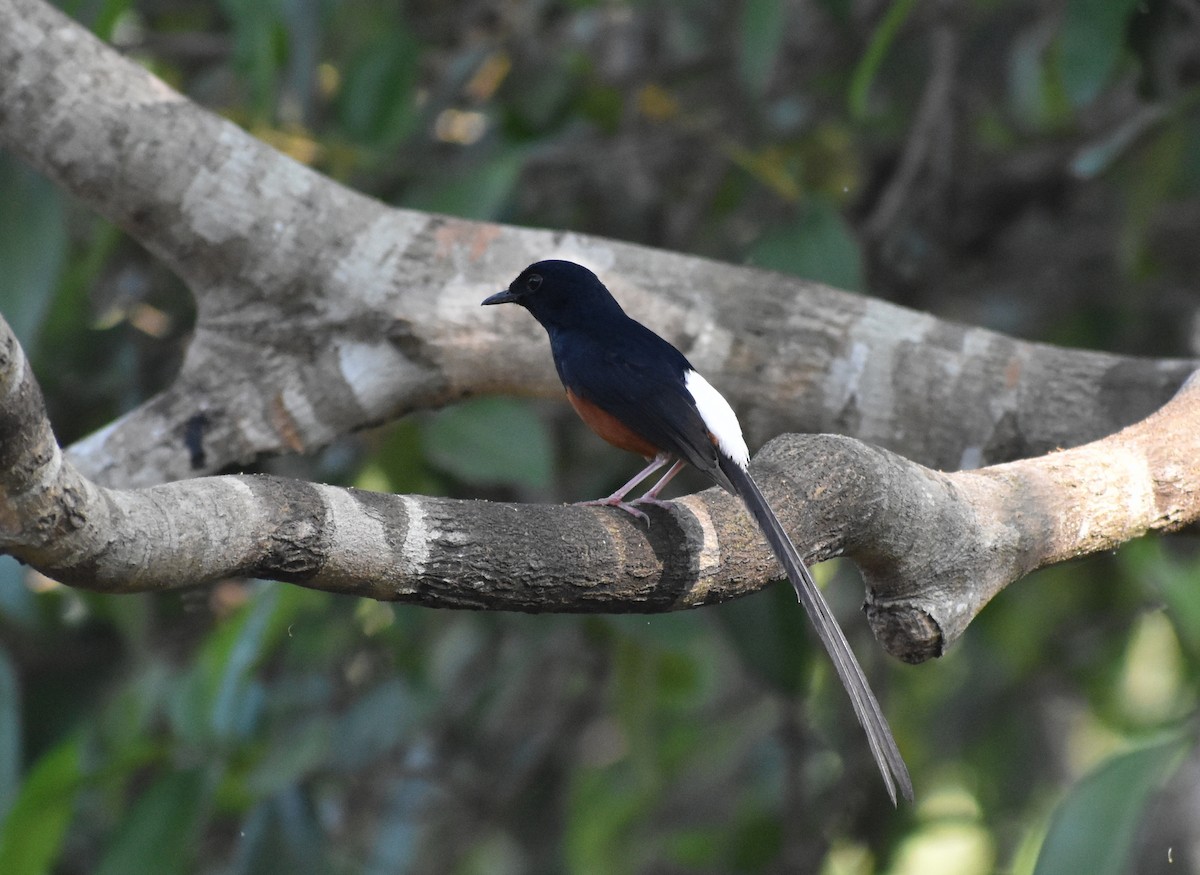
{"x": 866, "y": 707}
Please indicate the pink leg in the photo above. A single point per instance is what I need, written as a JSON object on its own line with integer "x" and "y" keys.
{"x": 617, "y": 499}
{"x": 651, "y": 496}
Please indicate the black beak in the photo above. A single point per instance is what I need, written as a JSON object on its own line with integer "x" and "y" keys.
{"x": 504, "y": 297}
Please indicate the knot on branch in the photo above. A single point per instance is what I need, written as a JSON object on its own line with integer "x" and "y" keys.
{"x": 906, "y": 631}
{"x": 933, "y": 547}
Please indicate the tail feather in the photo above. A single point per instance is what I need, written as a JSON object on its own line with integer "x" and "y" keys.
{"x": 866, "y": 707}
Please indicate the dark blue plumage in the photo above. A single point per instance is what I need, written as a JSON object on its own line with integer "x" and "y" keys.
{"x": 635, "y": 376}
{"x": 640, "y": 393}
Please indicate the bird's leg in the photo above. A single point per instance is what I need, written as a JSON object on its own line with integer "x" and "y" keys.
{"x": 651, "y": 496}
{"x": 617, "y": 499}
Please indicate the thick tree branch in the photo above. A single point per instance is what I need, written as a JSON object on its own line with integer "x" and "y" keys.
{"x": 934, "y": 547}
{"x": 320, "y": 310}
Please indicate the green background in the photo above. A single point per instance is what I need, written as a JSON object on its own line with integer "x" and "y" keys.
{"x": 258, "y": 728}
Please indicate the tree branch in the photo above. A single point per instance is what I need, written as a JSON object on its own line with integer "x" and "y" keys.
{"x": 321, "y": 311}
{"x": 934, "y": 547}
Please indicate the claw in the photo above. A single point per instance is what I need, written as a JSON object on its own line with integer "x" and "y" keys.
{"x": 652, "y": 502}
{"x": 613, "y": 501}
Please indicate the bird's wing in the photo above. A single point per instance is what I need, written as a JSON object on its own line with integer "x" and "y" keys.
{"x": 644, "y": 388}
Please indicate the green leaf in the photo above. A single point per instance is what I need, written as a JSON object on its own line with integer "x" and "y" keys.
{"x": 768, "y": 632}
{"x": 375, "y": 725}
{"x": 282, "y": 837}
{"x": 32, "y": 834}
{"x": 17, "y": 602}
{"x": 602, "y": 105}
{"x": 1093, "y": 829}
{"x": 480, "y": 191}
{"x": 33, "y": 248}
{"x": 401, "y": 463}
{"x": 10, "y": 735}
{"x": 492, "y": 441}
{"x": 603, "y": 812}
{"x": 1151, "y": 172}
{"x": 818, "y": 245}
{"x": 291, "y": 756}
{"x": 260, "y": 47}
{"x": 219, "y": 699}
{"x": 872, "y": 59}
{"x": 1090, "y": 45}
{"x": 159, "y": 833}
{"x": 839, "y": 10}
{"x": 378, "y": 104}
{"x": 1035, "y": 93}
{"x": 761, "y": 33}
{"x": 1147, "y": 560}
{"x": 107, "y": 16}
{"x": 1099, "y": 157}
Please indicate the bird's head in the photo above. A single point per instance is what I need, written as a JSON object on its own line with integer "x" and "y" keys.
{"x": 559, "y": 294}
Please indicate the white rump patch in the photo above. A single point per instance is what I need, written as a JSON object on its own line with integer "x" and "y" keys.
{"x": 718, "y": 417}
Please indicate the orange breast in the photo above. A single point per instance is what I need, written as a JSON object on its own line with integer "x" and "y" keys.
{"x": 610, "y": 428}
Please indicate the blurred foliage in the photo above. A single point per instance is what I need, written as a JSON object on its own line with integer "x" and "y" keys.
{"x": 1108, "y": 803}
{"x": 1027, "y": 166}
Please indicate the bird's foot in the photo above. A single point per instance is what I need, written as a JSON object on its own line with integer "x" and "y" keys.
{"x": 614, "y": 501}
{"x": 652, "y": 502}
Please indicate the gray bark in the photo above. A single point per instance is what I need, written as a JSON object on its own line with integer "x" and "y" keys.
{"x": 934, "y": 547}
{"x": 322, "y": 311}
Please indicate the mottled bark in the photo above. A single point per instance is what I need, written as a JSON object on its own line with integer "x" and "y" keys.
{"x": 321, "y": 310}
{"x": 934, "y": 547}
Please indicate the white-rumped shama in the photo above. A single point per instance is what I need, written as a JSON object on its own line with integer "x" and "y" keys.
{"x": 641, "y": 394}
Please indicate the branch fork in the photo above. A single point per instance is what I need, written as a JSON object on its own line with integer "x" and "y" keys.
{"x": 934, "y": 547}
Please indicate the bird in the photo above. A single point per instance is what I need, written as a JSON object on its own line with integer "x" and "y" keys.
{"x": 641, "y": 394}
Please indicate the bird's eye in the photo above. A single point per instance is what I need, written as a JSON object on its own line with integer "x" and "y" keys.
{"x": 534, "y": 282}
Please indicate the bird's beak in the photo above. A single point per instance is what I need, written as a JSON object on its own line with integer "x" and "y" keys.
{"x": 504, "y": 297}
